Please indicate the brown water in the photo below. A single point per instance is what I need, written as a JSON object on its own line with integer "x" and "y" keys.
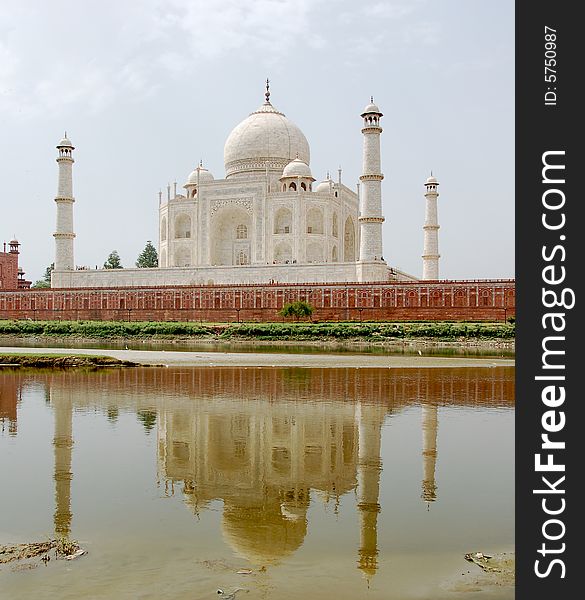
{"x": 326, "y": 483}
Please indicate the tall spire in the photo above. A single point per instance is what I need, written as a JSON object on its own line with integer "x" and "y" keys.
{"x": 267, "y": 93}
{"x": 431, "y": 226}
{"x": 371, "y": 217}
{"x": 64, "y": 234}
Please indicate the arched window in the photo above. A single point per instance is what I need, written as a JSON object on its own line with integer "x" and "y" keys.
{"x": 194, "y": 193}
{"x": 334, "y": 226}
{"x": 183, "y": 226}
{"x": 283, "y": 253}
{"x": 241, "y": 234}
{"x": 283, "y": 221}
{"x": 334, "y": 254}
{"x": 163, "y": 229}
{"x": 314, "y": 252}
{"x": 349, "y": 241}
{"x": 314, "y": 221}
{"x": 182, "y": 257}
{"x": 292, "y": 187}
{"x": 242, "y": 258}
{"x": 304, "y": 186}
{"x": 284, "y": 187}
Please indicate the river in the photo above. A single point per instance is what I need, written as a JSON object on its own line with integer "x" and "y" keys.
{"x": 321, "y": 482}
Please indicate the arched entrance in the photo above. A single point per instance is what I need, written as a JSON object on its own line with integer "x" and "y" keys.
{"x": 230, "y": 236}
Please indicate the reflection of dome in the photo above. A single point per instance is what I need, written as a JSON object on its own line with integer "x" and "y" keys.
{"x": 261, "y": 533}
{"x": 265, "y": 139}
{"x": 297, "y": 168}
{"x": 204, "y": 176}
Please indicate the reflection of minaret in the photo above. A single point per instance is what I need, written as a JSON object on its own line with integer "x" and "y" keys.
{"x": 63, "y": 444}
{"x": 429, "y": 452}
{"x": 370, "y": 419}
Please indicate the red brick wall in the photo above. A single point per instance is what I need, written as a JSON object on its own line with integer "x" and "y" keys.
{"x": 481, "y": 300}
{"x": 8, "y": 271}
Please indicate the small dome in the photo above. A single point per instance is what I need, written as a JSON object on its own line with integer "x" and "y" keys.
{"x": 432, "y": 179}
{"x": 14, "y": 242}
{"x": 65, "y": 143}
{"x": 371, "y": 108}
{"x": 204, "y": 176}
{"x": 297, "y": 168}
{"x": 325, "y": 186}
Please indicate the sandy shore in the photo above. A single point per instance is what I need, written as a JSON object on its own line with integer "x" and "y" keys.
{"x": 249, "y": 359}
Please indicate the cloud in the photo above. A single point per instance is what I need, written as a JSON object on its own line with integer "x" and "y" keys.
{"x": 102, "y": 53}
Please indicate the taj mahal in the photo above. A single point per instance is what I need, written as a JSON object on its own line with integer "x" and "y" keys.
{"x": 266, "y": 221}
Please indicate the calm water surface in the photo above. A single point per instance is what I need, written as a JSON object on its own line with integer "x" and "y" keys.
{"x": 410, "y": 348}
{"x": 327, "y": 483}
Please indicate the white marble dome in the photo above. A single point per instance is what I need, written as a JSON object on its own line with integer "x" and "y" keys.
{"x": 203, "y": 174}
{"x": 371, "y": 108}
{"x": 65, "y": 143}
{"x": 265, "y": 139}
{"x": 297, "y": 168}
{"x": 325, "y": 186}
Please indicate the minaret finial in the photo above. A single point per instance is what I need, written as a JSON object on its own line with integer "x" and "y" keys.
{"x": 65, "y": 133}
{"x": 431, "y": 172}
{"x": 200, "y": 162}
{"x": 372, "y": 99}
{"x": 267, "y": 93}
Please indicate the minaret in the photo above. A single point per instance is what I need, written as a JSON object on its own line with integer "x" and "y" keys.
{"x": 431, "y": 231}
{"x": 371, "y": 219}
{"x": 64, "y": 235}
{"x": 429, "y": 452}
{"x": 370, "y": 419}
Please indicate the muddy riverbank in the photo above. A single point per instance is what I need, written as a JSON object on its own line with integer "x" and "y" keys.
{"x": 256, "y": 359}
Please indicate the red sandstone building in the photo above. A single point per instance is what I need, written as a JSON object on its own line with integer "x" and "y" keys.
{"x": 11, "y": 275}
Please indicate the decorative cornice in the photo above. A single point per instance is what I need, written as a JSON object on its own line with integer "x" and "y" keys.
{"x": 371, "y": 219}
{"x": 372, "y": 129}
{"x": 372, "y": 177}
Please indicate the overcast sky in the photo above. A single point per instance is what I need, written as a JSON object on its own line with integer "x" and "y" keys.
{"x": 145, "y": 89}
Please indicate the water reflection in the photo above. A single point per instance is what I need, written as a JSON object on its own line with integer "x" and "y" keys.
{"x": 266, "y": 442}
{"x": 9, "y": 399}
{"x": 62, "y": 402}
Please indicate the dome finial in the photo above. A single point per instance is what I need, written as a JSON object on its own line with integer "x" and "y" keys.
{"x": 267, "y": 93}
{"x": 200, "y": 162}
{"x": 372, "y": 99}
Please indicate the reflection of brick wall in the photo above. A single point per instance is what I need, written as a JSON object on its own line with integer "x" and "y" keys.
{"x": 8, "y": 271}
{"x": 445, "y": 300}
{"x": 8, "y": 403}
